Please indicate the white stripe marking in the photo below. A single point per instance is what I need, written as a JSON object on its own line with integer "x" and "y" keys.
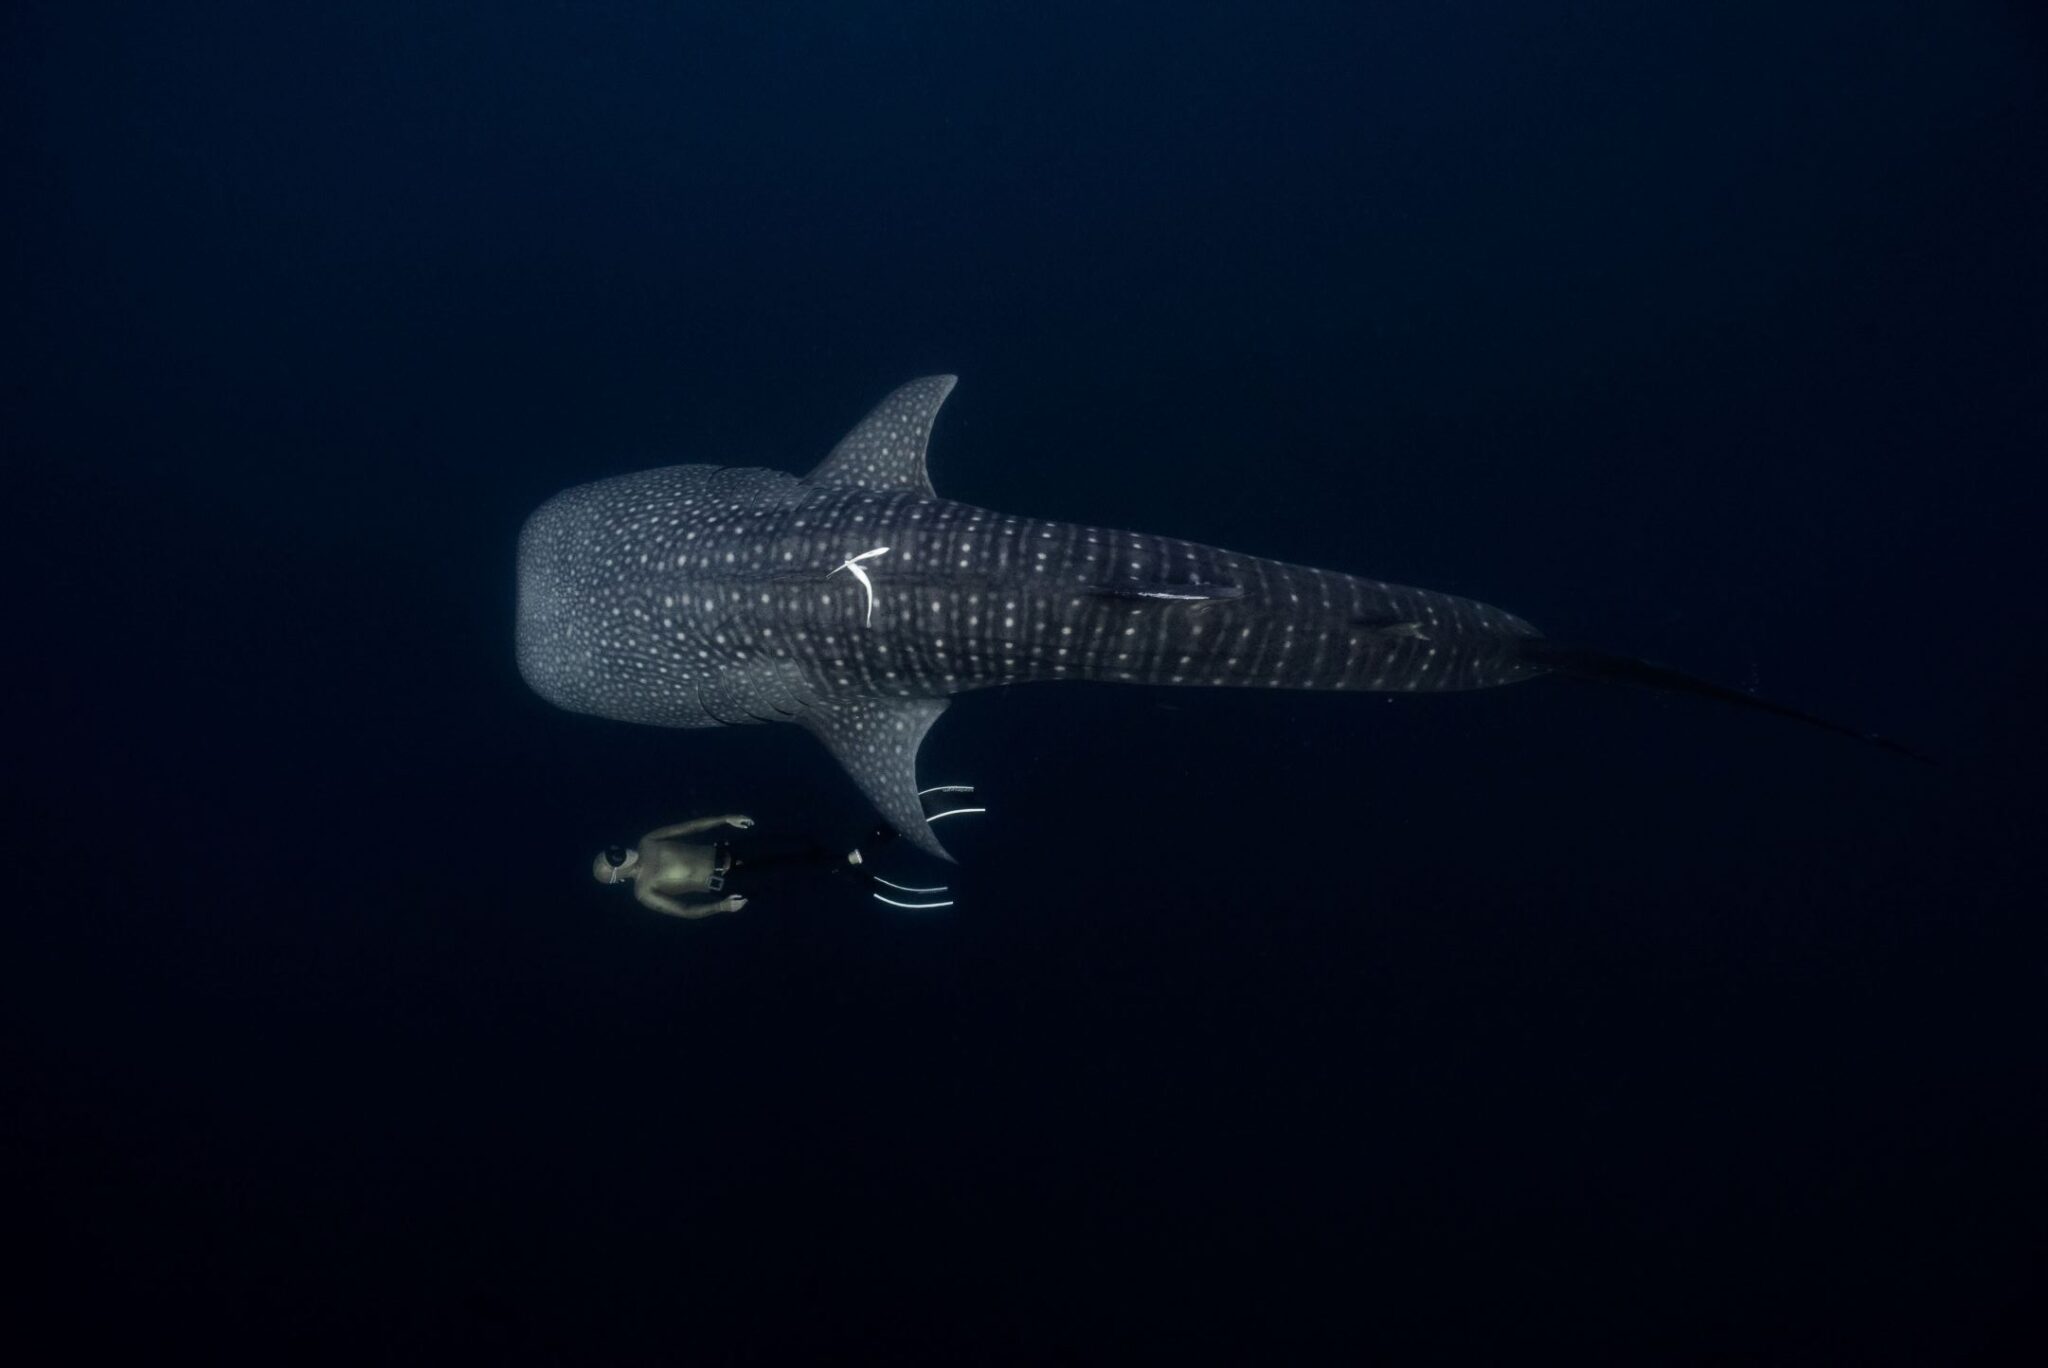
{"x": 853, "y": 563}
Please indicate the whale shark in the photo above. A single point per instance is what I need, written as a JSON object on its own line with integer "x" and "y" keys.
{"x": 855, "y": 602}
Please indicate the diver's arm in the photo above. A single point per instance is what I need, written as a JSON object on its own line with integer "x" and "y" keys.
{"x": 691, "y": 908}
{"x": 691, "y": 828}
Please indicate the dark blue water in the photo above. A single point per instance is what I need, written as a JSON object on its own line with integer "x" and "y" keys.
{"x": 1557, "y": 1021}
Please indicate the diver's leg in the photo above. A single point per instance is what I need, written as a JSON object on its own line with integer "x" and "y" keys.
{"x": 790, "y": 853}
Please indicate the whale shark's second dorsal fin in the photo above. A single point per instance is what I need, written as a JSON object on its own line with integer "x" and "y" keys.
{"x": 875, "y": 741}
{"x": 885, "y": 450}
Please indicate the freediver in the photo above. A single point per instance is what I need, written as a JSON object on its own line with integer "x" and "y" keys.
{"x": 670, "y": 873}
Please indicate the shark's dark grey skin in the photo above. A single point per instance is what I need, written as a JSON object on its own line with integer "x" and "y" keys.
{"x": 697, "y": 596}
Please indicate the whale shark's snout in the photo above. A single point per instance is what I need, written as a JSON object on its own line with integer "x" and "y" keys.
{"x": 554, "y": 634}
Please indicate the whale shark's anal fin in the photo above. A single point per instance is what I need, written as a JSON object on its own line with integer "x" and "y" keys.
{"x": 876, "y": 741}
{"x": 885, "y": 450}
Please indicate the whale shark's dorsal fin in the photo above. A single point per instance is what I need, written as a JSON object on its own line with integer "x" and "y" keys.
{"x": 885, "y": 450}
{"x": 876, "y": 742}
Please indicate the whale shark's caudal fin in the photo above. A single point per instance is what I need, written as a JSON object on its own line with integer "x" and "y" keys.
{"x": 1577, "y": 662}
{"x": 876, "y": 742}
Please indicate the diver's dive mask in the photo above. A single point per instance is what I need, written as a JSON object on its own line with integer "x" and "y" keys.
{"x": 615, "y": 856}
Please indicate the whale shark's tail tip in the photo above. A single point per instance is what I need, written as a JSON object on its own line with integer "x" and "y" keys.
{"x": 1578, "y": 662}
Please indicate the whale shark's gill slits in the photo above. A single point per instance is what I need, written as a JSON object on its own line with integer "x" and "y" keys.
{"x": 749, "y": 691}
{"x": 724, "y": 719}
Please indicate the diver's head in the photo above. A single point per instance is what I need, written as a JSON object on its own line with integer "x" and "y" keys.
{"x": 614, "y": 863}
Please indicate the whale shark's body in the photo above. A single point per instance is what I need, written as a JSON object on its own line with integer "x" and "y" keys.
{"x": 855, "y": 602}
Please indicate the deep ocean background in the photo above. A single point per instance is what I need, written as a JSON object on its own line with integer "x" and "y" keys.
{"x": 1556, "y": 1022}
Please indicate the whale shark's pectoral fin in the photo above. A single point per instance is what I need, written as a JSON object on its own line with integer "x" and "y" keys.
{"x": 876, "y": 742}
{"x": 886, "y": 449}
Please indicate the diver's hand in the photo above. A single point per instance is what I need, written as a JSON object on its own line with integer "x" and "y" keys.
{"x": 736, "y": 820}
{"x": 731, "y": 904}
